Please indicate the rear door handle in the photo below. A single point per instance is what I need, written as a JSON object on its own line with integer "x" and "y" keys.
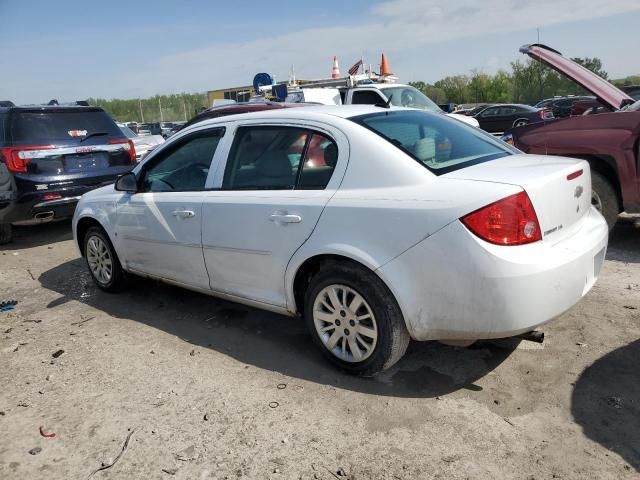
{"x": 284, "y": 217}
{"x": 184, "y": 213}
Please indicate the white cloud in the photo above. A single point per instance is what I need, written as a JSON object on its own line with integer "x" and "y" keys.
{"x": 400, "y": 27}
{"x": 401, "y": 23}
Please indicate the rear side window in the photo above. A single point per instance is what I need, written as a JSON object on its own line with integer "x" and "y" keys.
{"x": 435, "y": 141}
{"x": 51, "y": 126}
{"x": 279, "y": 158}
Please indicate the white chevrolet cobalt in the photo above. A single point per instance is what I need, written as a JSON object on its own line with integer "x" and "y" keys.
{"x": 375, "y": 224}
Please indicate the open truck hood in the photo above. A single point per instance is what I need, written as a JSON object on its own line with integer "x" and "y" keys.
{"x": 598, "y": 86}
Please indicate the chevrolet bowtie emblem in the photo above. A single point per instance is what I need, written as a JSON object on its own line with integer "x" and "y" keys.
{"x": 578, "y": 191}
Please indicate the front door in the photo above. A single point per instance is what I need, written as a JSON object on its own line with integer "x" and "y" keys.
{"x": 159, "y": 228}
{"x": 275, "y": 184}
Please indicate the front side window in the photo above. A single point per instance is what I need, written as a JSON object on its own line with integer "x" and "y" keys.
{"x": 279, "y": 158}
{"x": 435, "y": 141}
{"x": 183, "y": 167}
{"x": 490, "y": 112}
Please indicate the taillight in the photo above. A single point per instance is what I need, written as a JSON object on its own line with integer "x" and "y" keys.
{"x": 541, "y": 114}
{"x": 17, "y": 158}
{"x": 130, "y": 148}
{"x": 510, "y": 221}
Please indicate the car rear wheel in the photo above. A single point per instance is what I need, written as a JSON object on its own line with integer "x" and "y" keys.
{"x": 520, "y": 123}
{"x": 102, "y": 260}
{"x": 355, "y": 320}
{"x": 5, "y": 233}
{"x": 604, "y": 198}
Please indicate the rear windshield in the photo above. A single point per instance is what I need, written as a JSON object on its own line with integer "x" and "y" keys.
{"x": 435, "y": 141}
{"x": 50, "y": 126}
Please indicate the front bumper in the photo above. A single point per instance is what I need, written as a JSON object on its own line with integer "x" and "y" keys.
{"x": 453, "y": 285}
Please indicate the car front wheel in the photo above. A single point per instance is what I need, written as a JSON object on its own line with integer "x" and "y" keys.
{"x": 102, "y": 260}
{"x": 355, "y": 320}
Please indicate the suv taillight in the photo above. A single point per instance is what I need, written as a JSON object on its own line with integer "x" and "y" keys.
{"x": 129, "y": 148}
{"x": 510, "y": 221}
{"x": 17, "y": 158}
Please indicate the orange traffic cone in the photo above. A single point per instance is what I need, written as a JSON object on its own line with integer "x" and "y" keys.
{"x": 385, "y": 71}
{"x": 335, "y": 73}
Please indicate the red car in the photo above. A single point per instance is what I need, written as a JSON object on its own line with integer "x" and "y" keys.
{"x": 609, "y": 141}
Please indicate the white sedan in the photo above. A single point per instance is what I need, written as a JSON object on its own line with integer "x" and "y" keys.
{"x": 376, "y": 225}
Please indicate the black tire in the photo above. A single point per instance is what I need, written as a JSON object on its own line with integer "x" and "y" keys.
{"x": 117, "y": 278}
{"x": 604, "y": 198}
{"x": 5, "y": 233}
{"x": 392, "y": 335}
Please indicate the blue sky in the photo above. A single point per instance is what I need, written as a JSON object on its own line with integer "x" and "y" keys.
{"x": 71, "y": 49}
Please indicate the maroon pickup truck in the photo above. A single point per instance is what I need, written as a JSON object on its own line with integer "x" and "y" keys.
{"x": 609, "y": 141}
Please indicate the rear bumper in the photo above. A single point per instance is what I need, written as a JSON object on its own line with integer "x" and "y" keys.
{"x": 453, "y": 285}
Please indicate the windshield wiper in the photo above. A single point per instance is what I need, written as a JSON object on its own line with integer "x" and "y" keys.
{"x": 94, "y": 134}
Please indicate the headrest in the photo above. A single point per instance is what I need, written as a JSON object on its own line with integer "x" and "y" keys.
{"x": 274, "y": 163}
{"x": 425, "y": 149}
{"x": 331, "y": 155}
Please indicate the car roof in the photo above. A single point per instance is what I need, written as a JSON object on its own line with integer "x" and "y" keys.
{"x": 50, "y": 108}
{"x": 315, "y": 112}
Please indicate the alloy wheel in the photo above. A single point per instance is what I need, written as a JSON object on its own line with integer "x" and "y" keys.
{"x": 345, "y": 323}
{"x": 99, "y": 259}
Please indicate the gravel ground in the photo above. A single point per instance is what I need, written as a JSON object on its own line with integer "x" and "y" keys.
{"x": 207, "y": 389}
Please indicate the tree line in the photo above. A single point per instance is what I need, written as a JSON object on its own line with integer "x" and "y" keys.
{"x": 527, "y": 82}
{"x": 181, "y": 106}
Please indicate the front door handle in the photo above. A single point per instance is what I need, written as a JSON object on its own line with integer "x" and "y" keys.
{"x": 184, "y": 213}
{"x": 284, "y": 217}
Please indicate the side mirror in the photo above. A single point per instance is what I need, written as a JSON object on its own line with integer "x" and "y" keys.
{"x": 127, "y": 183}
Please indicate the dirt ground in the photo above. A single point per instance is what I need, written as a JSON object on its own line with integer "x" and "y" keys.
{"x": 214, "y": 390}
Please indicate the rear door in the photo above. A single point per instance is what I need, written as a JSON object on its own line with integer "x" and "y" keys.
{"x": 159, "y": 227}
{"x": 270, "y": 193}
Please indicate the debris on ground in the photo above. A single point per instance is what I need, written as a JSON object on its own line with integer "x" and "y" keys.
{"x": 111, "y": 463}
{"x": 615, "y": 402}
{"x": 274, "y": 404}
{"x": 82, "y": 321}
{"x": 7, "y": 305}
{"x": 170, "y": 471}
{"x": 187, "y": 454}
{"x": 35, "y": 451}
{"x": 46, "y": 434}
{"x": 57, "y": 353}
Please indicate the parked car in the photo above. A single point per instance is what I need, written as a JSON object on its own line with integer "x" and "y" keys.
{"x": 563, "y": 106}
{"x": 238, "y": 108}
{"x": 176, "y": 127}
{"x": 50, "y": 156}
{"x": 608, "y": 141}
{"x": 395, "y": 94}
{"x": 375, "y": 224}
{"x": 498, "y": 118}
{"x": 143, "y": 144}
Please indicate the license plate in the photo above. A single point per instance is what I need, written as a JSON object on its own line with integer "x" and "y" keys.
{"x": 598, "y": 260}
{"x": 79, "y": 163}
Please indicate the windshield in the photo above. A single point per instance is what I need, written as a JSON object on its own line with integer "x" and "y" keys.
{"x": 128, "y": 132}
{"x": 438, "y": 143}
{"x": 410, "y": 97}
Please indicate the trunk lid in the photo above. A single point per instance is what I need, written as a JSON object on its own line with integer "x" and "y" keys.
{"x": 598, "y": 86}
{"x": 559, "y": 188}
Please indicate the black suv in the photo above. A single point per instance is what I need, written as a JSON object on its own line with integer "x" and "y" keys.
{"x": 50, "y": 156}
